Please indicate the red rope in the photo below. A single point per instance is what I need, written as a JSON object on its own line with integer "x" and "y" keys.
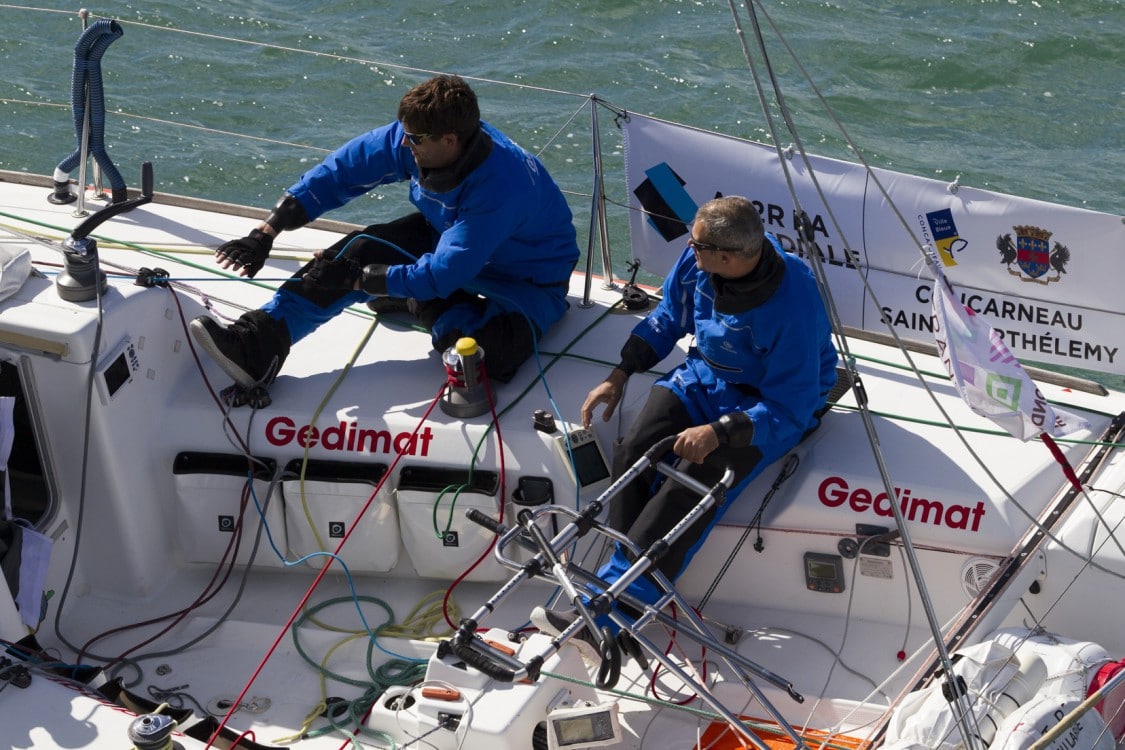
{"x": 316, "y": 581}
{"x": 667, "y": 652}
{"x": 500, "y": 449}
{"x": 1060, "y": 457}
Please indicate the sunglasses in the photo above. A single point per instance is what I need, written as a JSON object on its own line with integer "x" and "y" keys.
{"x": 417, "y": 139}
{"x": 701, "y": 246}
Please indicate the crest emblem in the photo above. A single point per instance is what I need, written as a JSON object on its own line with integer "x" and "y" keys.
{"x": 1033, "y": 253}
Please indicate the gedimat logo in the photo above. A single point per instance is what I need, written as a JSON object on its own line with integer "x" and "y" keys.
{"x": 348, "y": 437}
{"x": 835, "y": 492}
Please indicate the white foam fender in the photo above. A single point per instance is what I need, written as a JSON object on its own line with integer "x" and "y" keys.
{"x": 1031, "y": 721}
{"x": 1071, "y": 664}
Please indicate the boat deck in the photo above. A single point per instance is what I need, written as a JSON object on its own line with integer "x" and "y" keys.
{"x": 142, "y": 488}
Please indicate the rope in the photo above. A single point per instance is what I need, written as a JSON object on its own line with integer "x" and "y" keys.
{"x": 387, "y": 674}
{"x": 787, "y": 470}
{"x": 313, "y": 585}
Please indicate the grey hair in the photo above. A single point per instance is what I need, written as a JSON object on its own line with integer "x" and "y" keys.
{"x": 733, "y": 223}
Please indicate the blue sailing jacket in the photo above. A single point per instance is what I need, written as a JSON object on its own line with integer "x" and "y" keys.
{"x": 775, "y": 361}
{"x": 506, "y": 229}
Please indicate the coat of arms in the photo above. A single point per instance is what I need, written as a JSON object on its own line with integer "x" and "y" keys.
{"x": 1033, "y": 253}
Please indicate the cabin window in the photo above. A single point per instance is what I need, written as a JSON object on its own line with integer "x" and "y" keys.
{"x": 26, "y": 476}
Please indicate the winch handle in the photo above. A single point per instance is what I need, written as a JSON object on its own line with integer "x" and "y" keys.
{"x": 94, "y": 220}
{"x": 467, "y": 652}
{"x": 488, "y": 522}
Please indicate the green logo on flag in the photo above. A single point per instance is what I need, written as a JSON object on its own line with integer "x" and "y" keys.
{"x": 1003, "y": 390}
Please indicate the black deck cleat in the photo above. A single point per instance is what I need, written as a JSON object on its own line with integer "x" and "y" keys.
{"x": 236, "y": 395}
{"x": 150, "y": 277}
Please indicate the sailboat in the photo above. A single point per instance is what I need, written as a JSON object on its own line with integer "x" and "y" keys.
{"x": 352, "y": 561}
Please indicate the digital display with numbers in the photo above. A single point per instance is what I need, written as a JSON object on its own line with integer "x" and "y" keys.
{"x": 590, "y": 726}
{"x": 824, "y": 572}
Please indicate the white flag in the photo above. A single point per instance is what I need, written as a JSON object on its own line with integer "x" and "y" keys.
{"x": 988, "y": 377}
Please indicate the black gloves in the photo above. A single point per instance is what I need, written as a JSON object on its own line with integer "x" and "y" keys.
{"x": 338, "y": 273}
{"x": 374, "y": 279}
{"x": 735, "y": 429}
{"x": 248, "y": 253}
{"x": 343, "y": 273}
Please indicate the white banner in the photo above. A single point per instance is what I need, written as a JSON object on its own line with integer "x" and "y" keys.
{"x": 1047, "y": 278}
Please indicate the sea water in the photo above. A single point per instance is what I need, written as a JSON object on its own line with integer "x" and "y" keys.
{"x": 1019, "y": 96}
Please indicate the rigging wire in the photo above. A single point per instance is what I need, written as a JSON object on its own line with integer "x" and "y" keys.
{"x": 942, "y": 653}
{"x": 849, "y": 359}
{"x": 905, "y": 350}
{"x": 805, "y": 238}
{"x": 967, "y": 718}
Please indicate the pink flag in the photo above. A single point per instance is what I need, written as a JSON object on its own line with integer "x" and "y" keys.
{"x": 988, "y": 377}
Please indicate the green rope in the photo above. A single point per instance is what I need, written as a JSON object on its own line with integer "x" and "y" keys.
{"x": 388, "y": 673}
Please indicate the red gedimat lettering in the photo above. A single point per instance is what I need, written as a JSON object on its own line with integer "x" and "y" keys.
{"x": 834, "y": 492}
{"x": 348, "y": 437}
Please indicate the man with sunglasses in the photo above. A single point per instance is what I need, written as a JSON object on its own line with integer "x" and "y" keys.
{"x": 488, "y": 254}
{"x": 753, "y": 384}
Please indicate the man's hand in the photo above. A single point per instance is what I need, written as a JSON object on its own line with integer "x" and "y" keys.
{"x": 608, "y": 392}
{"x": 696, "y": 443}
{"x": 337, "y": 273}
{"x": 246, "y": 255}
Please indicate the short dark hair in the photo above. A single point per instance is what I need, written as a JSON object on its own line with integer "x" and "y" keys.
{"x": 733, "y": 223}
{"x": 443, "y": 104}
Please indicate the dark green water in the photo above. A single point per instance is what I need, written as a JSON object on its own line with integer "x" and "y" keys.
{"x": 1019, "y": 96}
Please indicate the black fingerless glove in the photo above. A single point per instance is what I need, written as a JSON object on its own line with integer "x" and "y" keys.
{"x": 338, "y": 273}
{"x": 250, "y": 252}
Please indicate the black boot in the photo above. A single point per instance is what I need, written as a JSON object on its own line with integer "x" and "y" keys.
{"x": 250, "y": 350}
{"x": 393, "y": 305}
